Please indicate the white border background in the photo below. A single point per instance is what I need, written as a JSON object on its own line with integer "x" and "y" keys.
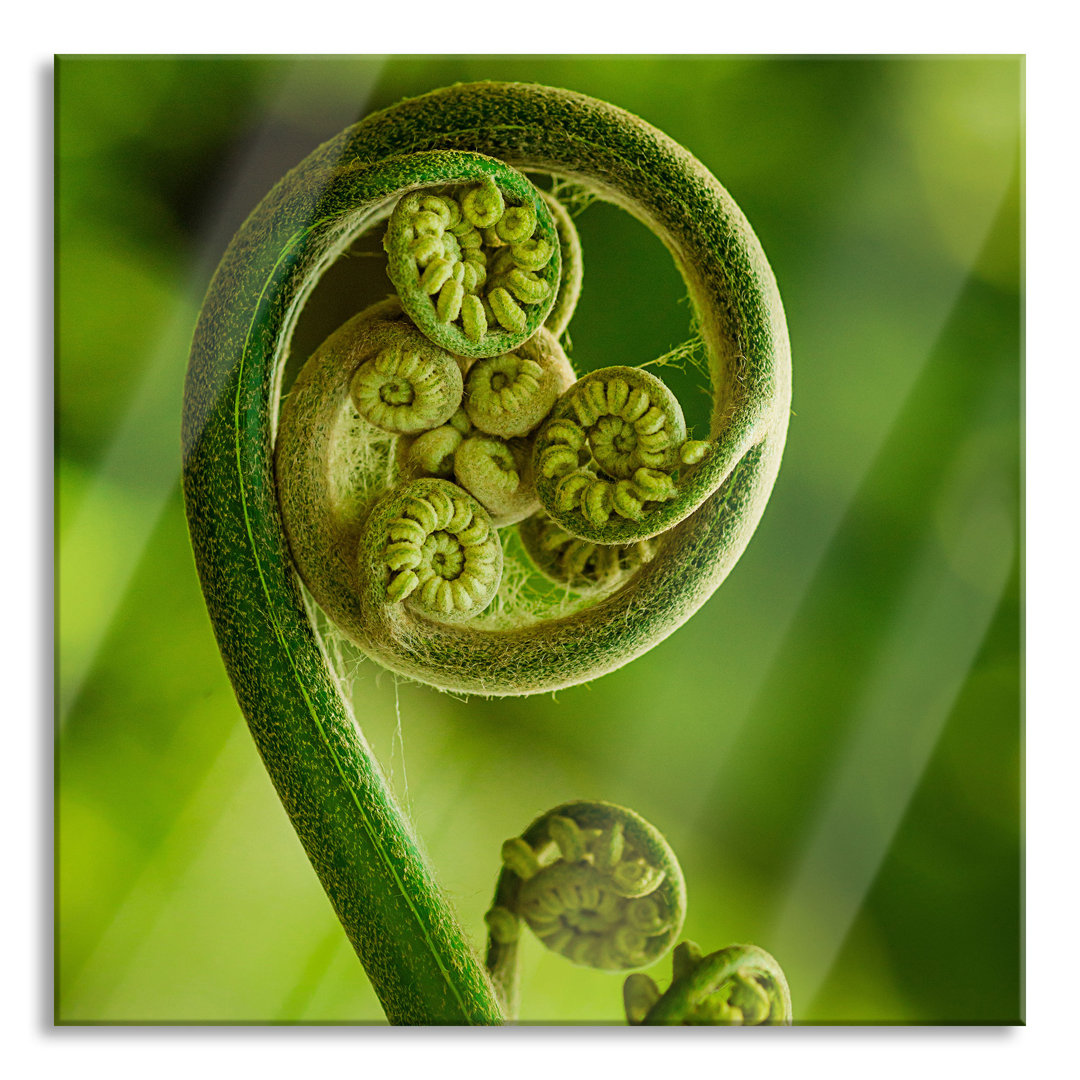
{"x": 30, "y": 1042}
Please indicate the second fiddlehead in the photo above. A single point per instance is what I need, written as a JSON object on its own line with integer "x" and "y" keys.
{"x": 595, "y": 882}
{"x": 601, "y": 886}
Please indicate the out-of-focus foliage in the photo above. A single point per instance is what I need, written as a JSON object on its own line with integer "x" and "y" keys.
{"x": 832, "y": 745}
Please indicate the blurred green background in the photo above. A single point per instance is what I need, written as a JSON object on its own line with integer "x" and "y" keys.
{"x": 832, "y": 745}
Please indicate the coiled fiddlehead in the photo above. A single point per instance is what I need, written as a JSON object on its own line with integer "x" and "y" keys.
{"x": 463, "y": 138}
{"x": 407, "y": 385}
{"x": 741, "y": 984}
{"x": 439, "y": 556}
{"x": 512, "y": 394}
{"x": 595, "y": 882}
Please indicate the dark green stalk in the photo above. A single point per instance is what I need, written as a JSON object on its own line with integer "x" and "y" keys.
{"x": 357, "y": 839}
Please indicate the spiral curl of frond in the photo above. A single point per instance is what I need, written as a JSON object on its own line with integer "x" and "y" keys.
{"x": 408, "y": 386}
{"x": 595, "y": 882}
{"x": 605, "y": 459}
{"x": 440, "y": 553}
{"x": 513, "y": 393}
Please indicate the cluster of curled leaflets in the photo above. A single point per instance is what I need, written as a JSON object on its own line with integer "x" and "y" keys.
{"x": 599, "y": 885}
{"x": 442, "y": 488}
{"x": 459, "y": 502}
{"x": 462, "y": 368}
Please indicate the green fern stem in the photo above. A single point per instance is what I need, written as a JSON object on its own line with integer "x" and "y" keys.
{"x": 357, "y": 839}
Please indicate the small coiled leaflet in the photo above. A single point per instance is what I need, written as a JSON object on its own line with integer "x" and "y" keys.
{"x": 440, "y": 554}
{"x": 513, "y": 393}
{"x": 741, "y": 984}
{"x": 604, "y": 460}
{"x": 579, "y": 564}
{"x": 476, "y": 266}
{"x": 410, "y": 385}
{"x": 595, "y": 882}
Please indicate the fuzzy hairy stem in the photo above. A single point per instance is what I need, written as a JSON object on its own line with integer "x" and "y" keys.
{"x": 419, "y": 961}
